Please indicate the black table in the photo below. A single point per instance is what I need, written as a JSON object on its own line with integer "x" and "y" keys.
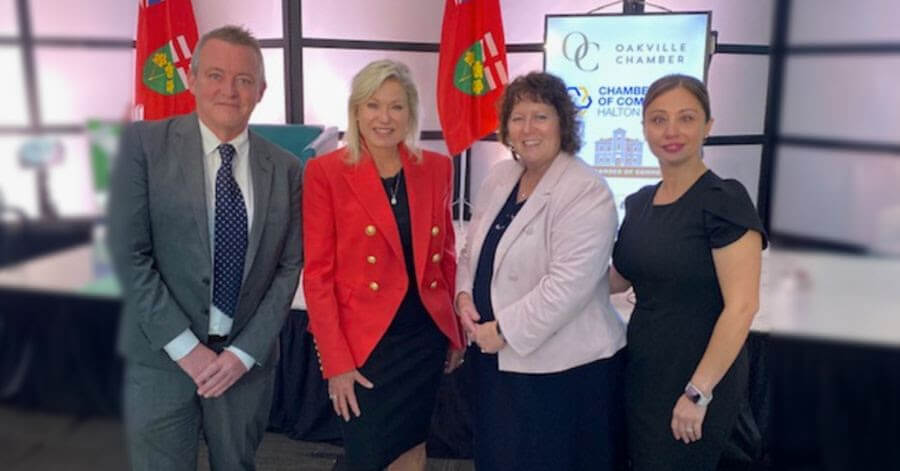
{"x": 832, "y": 404}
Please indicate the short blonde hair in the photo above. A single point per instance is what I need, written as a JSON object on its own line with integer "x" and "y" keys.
{"x": 365, "y": 83}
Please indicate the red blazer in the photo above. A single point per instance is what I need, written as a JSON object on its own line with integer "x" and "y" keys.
{"x": 354, "y": 276}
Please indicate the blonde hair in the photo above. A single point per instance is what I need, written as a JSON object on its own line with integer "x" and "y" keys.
{"x": 365, "y": 83}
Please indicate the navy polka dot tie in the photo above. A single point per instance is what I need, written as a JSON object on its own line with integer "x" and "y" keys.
{"x": 230, "y": 236}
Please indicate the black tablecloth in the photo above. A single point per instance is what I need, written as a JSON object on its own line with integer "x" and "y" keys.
{"x": 835, "y": 405}
{"x": 57, "y": 354}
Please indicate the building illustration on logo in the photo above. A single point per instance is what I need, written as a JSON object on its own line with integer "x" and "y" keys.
{"x": 618, "y": 151}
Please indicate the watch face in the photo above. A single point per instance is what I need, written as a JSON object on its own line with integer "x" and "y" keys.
{"x": 695, "y": 395}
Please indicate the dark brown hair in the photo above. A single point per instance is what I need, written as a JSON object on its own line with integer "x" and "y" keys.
{"x": 545, "y": 88}
{"x": 670, "y": 82}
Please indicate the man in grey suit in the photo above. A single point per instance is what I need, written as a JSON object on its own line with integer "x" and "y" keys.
{"x": 204, "y": 223}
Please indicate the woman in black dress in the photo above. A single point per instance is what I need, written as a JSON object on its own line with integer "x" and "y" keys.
{"x": 690, "y": 246}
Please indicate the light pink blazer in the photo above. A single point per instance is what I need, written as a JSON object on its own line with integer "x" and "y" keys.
{"x": 550, "y": 289}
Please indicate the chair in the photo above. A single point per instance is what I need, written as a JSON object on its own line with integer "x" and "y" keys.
{"x": 304, "y": 141}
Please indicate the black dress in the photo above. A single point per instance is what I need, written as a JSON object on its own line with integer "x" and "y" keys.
{"x": 405, "y": 367}
{"x": 666, "y": 252}
{"x": 570, "y": 420}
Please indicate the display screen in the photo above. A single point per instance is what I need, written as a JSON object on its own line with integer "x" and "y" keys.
{"x": 608, "y": 61}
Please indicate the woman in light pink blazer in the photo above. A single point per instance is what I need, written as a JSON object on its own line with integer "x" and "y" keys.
{"x": 532, "y": 292}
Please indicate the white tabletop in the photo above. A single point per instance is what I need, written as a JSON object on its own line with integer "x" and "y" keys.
{"x": 75, "y": 271}
{"x": 803, "y": 293}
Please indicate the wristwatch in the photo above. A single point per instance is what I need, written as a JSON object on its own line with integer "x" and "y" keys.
{"x": 696, "y": 395}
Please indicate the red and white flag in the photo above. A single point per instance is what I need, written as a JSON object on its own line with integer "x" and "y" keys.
{"x": 166, "y": 37}
{"x": 471, "y": 71}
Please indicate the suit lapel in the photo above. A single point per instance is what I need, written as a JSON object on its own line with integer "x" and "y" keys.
{"x": 365, "y": 184}
{"x": 188, "y": 152}
{"x": 261, "y": 176}
{"x": 419, "y": 189}
{"x": 536, "y": 203}
{"x": 497, "y": 198}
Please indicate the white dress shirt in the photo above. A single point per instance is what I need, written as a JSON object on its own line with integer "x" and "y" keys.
{"x": 219, "y": 323}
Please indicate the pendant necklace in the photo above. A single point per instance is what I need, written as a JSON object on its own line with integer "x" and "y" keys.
{"x": 395, "y": 188}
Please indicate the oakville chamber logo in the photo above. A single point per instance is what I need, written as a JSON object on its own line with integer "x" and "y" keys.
{"x": 581, "y": 51}
{"x": 581, "y": 97}
{"x": 165, "y": 71}
{"x": 479, "y": 69}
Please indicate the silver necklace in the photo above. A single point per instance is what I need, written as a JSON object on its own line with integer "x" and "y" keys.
{"x": 395, "y": 188}
{"x": 522, "y": 192}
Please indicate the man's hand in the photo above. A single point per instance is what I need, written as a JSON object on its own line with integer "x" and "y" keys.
{"x": 220, "y": 375}
{"x": 196, "y": 361}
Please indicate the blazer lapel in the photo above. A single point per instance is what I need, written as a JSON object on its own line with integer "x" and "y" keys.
{"x": 499, "y": 194}
{"x": 419, "y": 190}
{"x": 188, "y": 152}
{"x": 539, "y": 199}
{"x": 261, "y": 176}
{"x": 365, "y": 184}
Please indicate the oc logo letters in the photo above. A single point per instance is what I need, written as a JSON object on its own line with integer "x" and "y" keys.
{"x": 577, "y": 47}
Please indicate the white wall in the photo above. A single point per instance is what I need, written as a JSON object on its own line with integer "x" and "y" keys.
{"x": 76, "y": 84}
{"x": 737, "y": 82}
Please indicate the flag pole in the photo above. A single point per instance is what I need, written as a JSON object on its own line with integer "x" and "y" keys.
{"x": 461, "y": 202}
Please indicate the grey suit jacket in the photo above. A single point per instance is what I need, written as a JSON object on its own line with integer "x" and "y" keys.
{"x": 159, "y": 241}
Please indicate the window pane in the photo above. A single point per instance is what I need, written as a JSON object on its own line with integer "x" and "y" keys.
{"x": 844, "y": 21}
{"x": 738, "y": 162}
{"x": 842, "y": 97}
{"x": 76, "y": 84}
{"x": 261, "y": 17}
{"x": 70, "y": 180}
{"x": 523, "y": 62}
{"x": 485, "y": 155}
{"x": 9, "y": 20}
{"x": 378, "y": 20}
{"x": 271, "y": 109}
{"x": 737, "y": 88}
{"x": 14, "y": 111}
{"x": 17, "y": 185}
{"x": 97, "y": 18}
{"x": 327, "y": 74}
{"x": 737, "y": 21}
{"x": 526, "y": 25}
{"x": 839, "y": 196}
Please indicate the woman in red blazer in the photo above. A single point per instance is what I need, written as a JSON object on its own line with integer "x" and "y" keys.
{"x": 379, "y": 272}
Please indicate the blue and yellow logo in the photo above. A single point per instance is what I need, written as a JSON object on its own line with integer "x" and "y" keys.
{"x": 581, "y": 98}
